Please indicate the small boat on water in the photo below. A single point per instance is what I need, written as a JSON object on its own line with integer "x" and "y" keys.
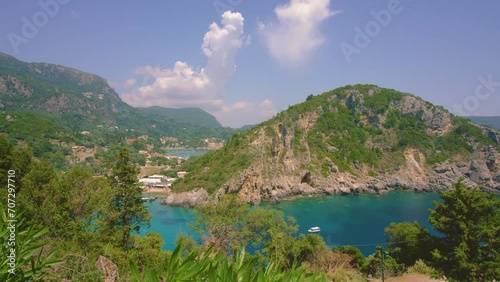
{"x": 315, "y": 229}
{"x": 145, "y": 199}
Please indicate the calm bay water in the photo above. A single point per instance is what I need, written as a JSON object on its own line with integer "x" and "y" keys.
{"x": 185, "y": 153}
{"x": 344, "y": 220}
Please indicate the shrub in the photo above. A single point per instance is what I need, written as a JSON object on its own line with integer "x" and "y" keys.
{"x": 421, "y": 268}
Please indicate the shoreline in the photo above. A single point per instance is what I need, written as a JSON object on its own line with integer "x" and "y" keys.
{"x": 161, "y": 191}
{"x": 184, "y": 203}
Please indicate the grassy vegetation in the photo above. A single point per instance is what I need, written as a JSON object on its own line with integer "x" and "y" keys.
{"x": 345, "y": 131}
{"x": 213, "y": 169}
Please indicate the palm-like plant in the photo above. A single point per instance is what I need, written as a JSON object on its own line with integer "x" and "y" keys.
{"x": 27, "y": 266}
{"x": 212, "y": 267}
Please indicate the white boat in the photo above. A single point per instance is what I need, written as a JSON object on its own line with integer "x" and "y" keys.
{"x": 314, "y": 229}
{"x": 145, "y": 199}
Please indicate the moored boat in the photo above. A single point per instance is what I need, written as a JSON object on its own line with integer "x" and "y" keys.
{"x": 315, "y": 229}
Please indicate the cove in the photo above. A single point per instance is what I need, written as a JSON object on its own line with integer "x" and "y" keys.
{"x": 357, "y": 220}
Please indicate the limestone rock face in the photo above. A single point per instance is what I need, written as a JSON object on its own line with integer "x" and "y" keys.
{"x": 187, "y": 199}
{"x": 301, "y": 154}
{"x": 479, "y": 172}
{"x": 437, "y": 119}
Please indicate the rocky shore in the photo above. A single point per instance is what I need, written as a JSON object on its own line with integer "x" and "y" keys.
{"x": 253, "y": 187}
{"x": 187, "y": 199}
{"x": 285, "y": 166}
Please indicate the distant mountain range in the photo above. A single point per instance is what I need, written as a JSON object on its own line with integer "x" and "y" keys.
{"x": 83, "y": 102}
{"x": 493, "y": 122}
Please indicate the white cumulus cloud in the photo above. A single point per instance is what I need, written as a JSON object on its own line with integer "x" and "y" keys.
{"x": 295, "y": 36}
{"x": 186, "y": 86}
{"x": 183, "y": 85}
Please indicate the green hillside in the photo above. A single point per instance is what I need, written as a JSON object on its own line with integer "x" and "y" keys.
{"x": 80, "y": 101}
{"x": 361, "y": 130}
{"x": 191, "y": 115}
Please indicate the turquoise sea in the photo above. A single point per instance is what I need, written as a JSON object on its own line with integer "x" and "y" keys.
{"x": 344, "y": 220}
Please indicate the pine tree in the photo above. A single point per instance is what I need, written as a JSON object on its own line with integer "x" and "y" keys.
{"x": 127, "y": 211}
{"x": 470, "y": 222}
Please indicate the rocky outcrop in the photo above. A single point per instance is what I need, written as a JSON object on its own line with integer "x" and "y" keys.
{"x": 252, "y": 188}
{"x": 256, "y": 184}
{"x": 187, "y": 199}
{"x": 437, "y": 119}
{"x": 304, "y": 152}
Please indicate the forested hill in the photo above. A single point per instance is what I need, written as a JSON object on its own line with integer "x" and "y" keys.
{"x": 80, "y": 99}
{"x": 83, "y": 102}
{"x": 352, "y": 139}
{"x": 76, "y": 97}
{"x": 191, "y": 115}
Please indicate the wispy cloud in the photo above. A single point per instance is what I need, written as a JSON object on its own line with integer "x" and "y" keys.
{"x": 246, "y": 112}
{"x": 296, "y": 35}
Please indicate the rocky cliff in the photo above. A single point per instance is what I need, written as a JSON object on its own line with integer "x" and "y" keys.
{"x": 355, "y": 139}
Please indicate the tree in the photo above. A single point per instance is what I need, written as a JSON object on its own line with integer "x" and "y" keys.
{"x": 408, "y": 242}
{"x": 373, "y": 264}
{"x": 13, "y": 158}
{"x": 469, "y": 221}
{"x": 273, "y": 234}
{"x": 37, "y": 192}
{"x": 77, "y": 199}
{"x": 127, "y": 212}
{"x": 358, "y": 259}
{"x": 219, "y": 223}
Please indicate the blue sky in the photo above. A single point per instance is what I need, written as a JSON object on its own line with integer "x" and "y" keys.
{"x": 247, "y": 64}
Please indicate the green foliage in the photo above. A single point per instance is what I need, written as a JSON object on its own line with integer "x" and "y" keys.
{"x": 345, "y": 132}
{"x": 270, "y": 132}
{"x": 65, "y": 101}
{"x": 127, "y": 212}
{"x": 420, "y": 267}
{"x": 229, "y": 225}
{"x": 215, "y": 168}
{"x": 411, "y": 132}
{"x": 37, "y": 191}
{"x": 23, "y": 258}
{"x": 347, "y": 275}
{"x": 358, "y": 259}
{"x": 13, "y": 158}
{"x": 220, "y": 223}
{"x": 379, "y": 102}
{"x": 211, "y": 266}
{"x": 373, "y": 266}
{"x": 343, "y": 126}
{"x": 194, "y": 116}
{"x": 408, "y": 242}
{"x": 146, "y": 250}
{"x": 466, "y": 248}
{"x": 469, "y": 221}
{"x": 272, "y": 234}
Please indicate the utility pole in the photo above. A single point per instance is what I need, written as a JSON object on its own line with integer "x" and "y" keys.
{"x": 382, "y": 253}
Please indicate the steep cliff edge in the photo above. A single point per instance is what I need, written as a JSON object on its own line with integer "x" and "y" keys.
{"x": 355, "y": 139}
